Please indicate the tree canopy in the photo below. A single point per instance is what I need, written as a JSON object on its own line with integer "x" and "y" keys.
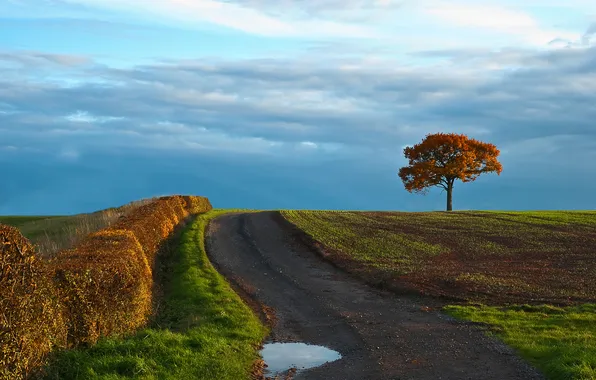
{"x": 442, "y": 158}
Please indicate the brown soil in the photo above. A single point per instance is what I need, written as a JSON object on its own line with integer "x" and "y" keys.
{"x": 380, "y": 334}
{"x": 539, "y": 264}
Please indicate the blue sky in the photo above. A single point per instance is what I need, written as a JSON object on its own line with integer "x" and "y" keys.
{"x": 292, "y": 104}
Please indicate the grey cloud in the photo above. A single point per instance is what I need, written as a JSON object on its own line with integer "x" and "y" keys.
{"x": 525, "y": 59}
{"x": 34, "y": 59}
{"x": 274, "y": 105}
{"x": 590, "y": 32}
{"x": 235, "y": 131}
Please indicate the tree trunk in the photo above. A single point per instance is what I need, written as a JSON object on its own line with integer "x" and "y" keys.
{"x": 450, "y": 196}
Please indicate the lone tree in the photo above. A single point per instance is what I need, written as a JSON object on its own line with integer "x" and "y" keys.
{"x": 442, "y": 158}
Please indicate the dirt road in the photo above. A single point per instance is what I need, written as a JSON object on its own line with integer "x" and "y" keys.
{"x": 379, "y": 334}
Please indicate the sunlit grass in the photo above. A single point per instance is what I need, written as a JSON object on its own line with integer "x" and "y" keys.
{"x": 204, "y": 330}
{"x": 561, "y": 342}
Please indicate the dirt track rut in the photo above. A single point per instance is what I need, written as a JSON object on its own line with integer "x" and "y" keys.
{"x": 380, "y": 335}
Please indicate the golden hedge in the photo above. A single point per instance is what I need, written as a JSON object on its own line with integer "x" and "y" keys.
{"x": 106, "y": 281}
{"x": 99, "y": 288}
{"x": 105, "y": 284}
{"x": 31, "y": 319}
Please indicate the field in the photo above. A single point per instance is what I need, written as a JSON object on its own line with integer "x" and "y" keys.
{"x": 488, "y": 257}
{"x": 52, "y": 234}
{"x": 203, "y": 331}
{"x": 486, "y": 262}
{"x": 19, "y": 221}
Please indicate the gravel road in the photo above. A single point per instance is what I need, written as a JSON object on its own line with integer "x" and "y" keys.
{"x": 381, "y": 335}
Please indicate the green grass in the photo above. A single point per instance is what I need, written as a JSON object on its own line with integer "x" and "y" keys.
{"x": 204, "y": 330}
{"x": 561, "y": 342}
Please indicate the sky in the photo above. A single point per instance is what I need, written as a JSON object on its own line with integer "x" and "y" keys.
{"x": 277, "y": 104}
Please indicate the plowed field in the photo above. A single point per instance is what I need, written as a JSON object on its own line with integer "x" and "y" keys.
{"x": 488, "y": 257}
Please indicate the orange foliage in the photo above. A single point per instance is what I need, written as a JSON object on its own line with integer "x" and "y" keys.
{"x": 442, "y": 158}
{"x": 106, "y": 281}
{"x": 105, "y": 284}
{"x": 101, "y": 287}
{"x": 31, "y": 317}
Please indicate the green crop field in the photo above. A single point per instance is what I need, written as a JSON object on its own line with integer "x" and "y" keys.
{"x": 489, "y": 261}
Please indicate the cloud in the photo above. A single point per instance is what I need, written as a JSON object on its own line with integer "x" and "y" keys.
{"x": 279, "y": 107}
{"x": 359, "y": 11}
{"x": 86, "y": 117}
{"x": 242, "y": 17}
{"x": 353, "y": 27}
{"x": 69, "y": 154}
{"x": 345, "y": 85}
{"x": 589, "y": 34}
{"x": 484, "y": 17}
{"x": 499, "y": 19}
{"x": 37, "y": 59}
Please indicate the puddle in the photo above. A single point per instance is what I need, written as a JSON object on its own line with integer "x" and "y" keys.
{"x": 280, "y": 357}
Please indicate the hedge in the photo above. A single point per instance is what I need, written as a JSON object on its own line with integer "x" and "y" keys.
{"x": 31, "y": 318}
{"x": 106, "y": 281}
{"x": 101, "y": 287}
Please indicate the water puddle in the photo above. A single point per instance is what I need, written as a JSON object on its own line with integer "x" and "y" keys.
{"x": 280, "y": 357}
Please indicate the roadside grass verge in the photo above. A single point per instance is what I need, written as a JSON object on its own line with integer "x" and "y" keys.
{"x": 203, "y": 329}
{"x": 561, "y": 342}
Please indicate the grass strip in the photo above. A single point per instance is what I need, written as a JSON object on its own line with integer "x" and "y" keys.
{"x": 204, "y": 330}
{"x": 561, "y": 342}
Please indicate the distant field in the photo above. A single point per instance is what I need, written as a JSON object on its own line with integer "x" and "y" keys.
{"x": 52, "y": 234}
{"x": 18, "y": 221}
{"x": 34, "y": 226}
{"x": 488, "y": 257}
